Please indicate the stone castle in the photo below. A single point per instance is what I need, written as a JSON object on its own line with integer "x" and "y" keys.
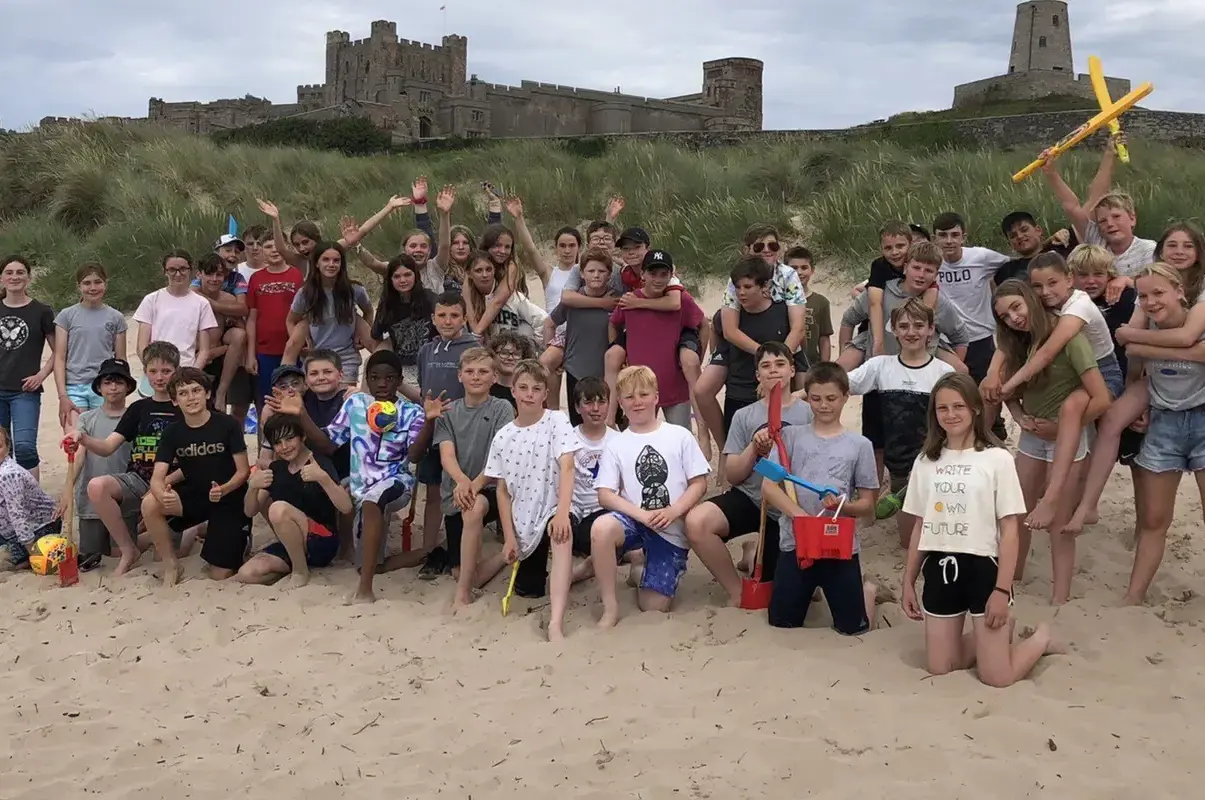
{"x": 1040, "y": 64}
{"x": 422, "y": 91}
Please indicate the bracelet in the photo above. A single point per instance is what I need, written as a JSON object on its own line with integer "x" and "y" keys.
{"x": 419, "y": 201}
{"x": 1007, "y": 592}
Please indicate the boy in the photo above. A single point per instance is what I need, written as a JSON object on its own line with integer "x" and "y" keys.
{"x": 255, "y": 238}
{"x": 761, "y": 242}
{"x": 652, "y": 336}
{"x": 737, "y": 511}
{"x": 585, "y": 328}
{"x": 590, "y": 399}
{"x": 438, "y": 368}
{"x": 462, "y": 438}
{"x": 649, "y": 477}
{"x": 1028, "y": 240}
{"x": 176, "y": 314}
{"x": 113, "y": 383}
{"x": 226, "y": 353}
{"x": 895, "y": 244}
{"x": 300, "y": 495}
{"x": 532, "y": 460}
{"x": 817, "y": 339}
{"x": 827, "y": 455}
{"x": 508, "y": 349}
{"x": 209, "y": 450}
{"x": 904, "y": 383}
{"x": 270, "y": 293}
{"x": 141, "y": 427}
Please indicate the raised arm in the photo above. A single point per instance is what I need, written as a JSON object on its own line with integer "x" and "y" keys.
{"x": 515, "y": 206}
{"x": 283, "y": 246}
{"x": 1067, "y": 199}
{"x": 443, "y": 203}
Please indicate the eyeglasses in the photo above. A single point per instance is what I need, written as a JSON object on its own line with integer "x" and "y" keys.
{"x": 177, "y": 270}
{"x": 771, "y": 246}
{"x": 296, "y": 384}
{"x": 507, "y": 354}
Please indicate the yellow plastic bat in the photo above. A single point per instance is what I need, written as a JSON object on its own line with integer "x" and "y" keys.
{"x": 1097, "y": 73}
{"x": 1090, "y": 127}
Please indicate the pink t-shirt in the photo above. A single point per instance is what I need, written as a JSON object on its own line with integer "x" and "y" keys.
{"x": 652, "y": 341}
{"x": 176, "y": 320}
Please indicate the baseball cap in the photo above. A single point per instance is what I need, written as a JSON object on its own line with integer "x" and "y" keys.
{"x": 285, "y": 370}
{"x": 634, "y": 236}
{"x": 227, "y": 239}
{"x": 114, "y": 368}
{"x": 657, "y": 259}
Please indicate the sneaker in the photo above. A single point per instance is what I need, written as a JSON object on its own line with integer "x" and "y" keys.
{"x": 888, "y": 505}
{"x": 434, "y": 565}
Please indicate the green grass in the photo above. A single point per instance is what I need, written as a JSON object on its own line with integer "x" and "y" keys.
{"x": 126, "y": 195}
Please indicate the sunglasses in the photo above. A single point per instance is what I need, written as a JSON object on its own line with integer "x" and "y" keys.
{"x": 760, "y": 246}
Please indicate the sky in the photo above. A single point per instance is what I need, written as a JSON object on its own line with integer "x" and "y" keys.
{"x": 828, "y": 63}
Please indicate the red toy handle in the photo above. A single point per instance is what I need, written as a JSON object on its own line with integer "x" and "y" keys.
{"x": 70, "y": 446}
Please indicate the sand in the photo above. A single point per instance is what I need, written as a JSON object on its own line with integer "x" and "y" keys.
{"x": 121, "y": 688}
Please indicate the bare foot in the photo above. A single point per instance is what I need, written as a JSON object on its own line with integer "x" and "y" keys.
{"x": 1092, "y": 517}
{"x": 360, "y": 597}
{"x": 1053, "y": 646}
{"x": 1040, "y": 518}
{"x": 295, "y": 581}
{"x": 127, "y": 561}
{"x": 869, "y": 592}
{"x": 609, "y": 618}
{"x": 173, "y": 571}
{"x": 748, "y": 557}
{"x": 463, "y": 600}
{"x": 1130, "y": 600}
{"x": 1075, "y": 525}
{"x": 555, "y": 633}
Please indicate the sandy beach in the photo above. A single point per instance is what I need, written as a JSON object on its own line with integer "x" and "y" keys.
{"x": 123, "y": 689}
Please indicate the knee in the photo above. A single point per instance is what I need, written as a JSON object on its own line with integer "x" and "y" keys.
{"x": 477, "y": 513}
{"x": 605, "y": 532}
{"x": 699, "y": 525}
{"x": 99, "y": 488}
{"x": 371, "y": 512}
{"x": 236, "y": 336}
{"x": 280, "y": 511}
{"x": 550, "y": 358}
{"x": 689, "y": 359}
{"x": 26, "y": 454}
{"x": 151, "y": 507}
{"x": 997, "y": 679}
{"x": 615, "y": 357}
{"x": 254, "y": 570}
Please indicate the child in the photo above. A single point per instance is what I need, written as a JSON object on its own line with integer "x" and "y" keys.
{"x": 649, "y": 477}
{"x": 139, "y": 428}
{"x": 585, "y": 328}
{"x": 1024, "y": 326}
{"x": 270, "y": 293}
{"x": 468, "y": 498}
{"x": 589, "y": 400}
{"x": 969, "y": 547}
{"x": 227, "y": 353}
{"x": 403, "y": 318}
{"x": 176, "y": 314}
{"x": 828, "y": 455}
{"x": 301, "y": 497}
{"x": 86, "y": 334}
{"x": 208, "y": 448}
{"x": 438, "y": 376}
{"x": 737, "y": 511}
{"x": 324, "y": 312}
{"x": 508, "y": 349}
{"x": 113, "y": 383}
{"x": 532, "y": 460}
{"x": 26, "y": 512}
{"x": 889, "y": 267}
{"x": 904, "y": 383}
{"x": 255, "y": 238}
{"x": 818, "y": 325}
{"x": 652, "y": 337}
{"x": 1028, "y": 241}
{"x": 492, "y": 310}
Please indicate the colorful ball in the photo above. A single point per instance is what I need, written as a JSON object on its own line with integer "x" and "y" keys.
{"x": 382, "y": 416}
{"x": 48, "y": 553}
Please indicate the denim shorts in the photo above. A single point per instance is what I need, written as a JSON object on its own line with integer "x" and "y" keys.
{"x": 1110, "y": 370}
{"x": 1174, "y": 442}
{"x": 664, "y": 561}
{"x": 1038, "y": 448}
{"x": 82, "y": 396}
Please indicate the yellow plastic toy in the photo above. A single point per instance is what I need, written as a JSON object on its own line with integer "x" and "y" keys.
{"x": 510, "y": 590}
{"x": 1097, "y": 73}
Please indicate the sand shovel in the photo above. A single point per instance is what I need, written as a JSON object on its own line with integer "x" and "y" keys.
{"x": 755, "y": 593}
{"x": 69, "y": 568}
{"x": 510, "y": 590}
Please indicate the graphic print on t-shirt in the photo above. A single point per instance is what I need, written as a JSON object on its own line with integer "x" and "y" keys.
{"x": 13, "y": 332}
{"x": 652, "y": 472}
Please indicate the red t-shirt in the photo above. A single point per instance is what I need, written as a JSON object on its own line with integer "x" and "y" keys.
{"x": 272, "y": 295}
{"x": 652, "y": 341}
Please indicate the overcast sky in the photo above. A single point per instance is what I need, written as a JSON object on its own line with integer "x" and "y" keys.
{"x": 829, "y": 63}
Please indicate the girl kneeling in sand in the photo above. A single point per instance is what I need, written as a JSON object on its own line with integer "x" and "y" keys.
{"x": 966, "y": 498}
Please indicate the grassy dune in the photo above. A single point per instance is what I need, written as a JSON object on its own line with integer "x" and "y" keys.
{"x": 124, "y": 195}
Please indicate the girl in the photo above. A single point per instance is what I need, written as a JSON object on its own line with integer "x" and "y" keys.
{"x": 403, "y": 316}
{"x": 324, "y": 312}
{"x": 568, "y": 242}
{"x": 498, "y": 247}
{"x": 969, "y": 550}
{"x": 304, "y": 236}
{"x": 1023, "y": 326}
{"x": 26, "y": 325}
{"x": 85, "y": 335}
{"x": 450, "y": 268}
{"x": 1181, "y": 247}
{"x": 1175, "y": 439}
{"x": 26, "y": 512}
{"x": 493, "y": 309}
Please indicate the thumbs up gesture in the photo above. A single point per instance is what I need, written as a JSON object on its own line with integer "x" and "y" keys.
{"x": 215, "y": 492}
{"x": 311, "y": 472}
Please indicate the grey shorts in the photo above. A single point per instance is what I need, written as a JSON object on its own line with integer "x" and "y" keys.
{"x": 132, "y": 486}
{"x": 1038, "y": 448}
{"x": 94, "y": 537}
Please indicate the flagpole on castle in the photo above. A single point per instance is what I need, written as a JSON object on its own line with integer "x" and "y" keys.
{"x": 444, "y": 9}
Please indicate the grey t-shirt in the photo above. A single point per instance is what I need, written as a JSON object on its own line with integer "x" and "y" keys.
{"x": 1175, "y": 385}
{"x": 97, "y": 424}
{"x": 471, "y": 429}
{"x": 330, "y": 334}
{"x": 748, "y": 421}
{"x": 946, "y": 320}
{"x": 574, "y": 283}
{"x": 844, "y": 462}
{"x": 91, "y": 338}
{"x": 586, "y": 339}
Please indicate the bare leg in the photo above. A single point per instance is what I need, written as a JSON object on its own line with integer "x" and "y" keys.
{"x": 470, "y": 550}
{"x": 1001, "y": 663}
{"x": 705, "y": 525}
{"x": 372, "y": 521}
{"x": 710, "y": 382}
{"x": 560, "y": 579}
{"x": 946, "y": 648}
{"x": 1070, "y": 432}
{"x": 236, "y": 343}
{"x": 262, "y": 569}
{"x": 692, "y": 368}
{"x": 613, "y": 362}
{"x": 1158, "y": 509}
{"x": 432, "y": 517}
{"x": 851, "y": 358}
{"x": 648, "y": 600}
{"x": 290, "y": 526}
{"x": 1125, "y": 409}
{"x": 161, "y": 535}
{"x": 869, "y": 591}
{"x": 1062, "y": 544}
{"x": 106, "y": 494}
{"x": 1032, "y": 473}
{"x": 551, "y": 359}
{"x": 606, "y": 539}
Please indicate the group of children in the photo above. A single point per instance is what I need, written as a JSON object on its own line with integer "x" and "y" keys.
{"x": 461, "y": 394}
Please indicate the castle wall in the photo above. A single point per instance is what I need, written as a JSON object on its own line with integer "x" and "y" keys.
{"x": 1032, "y": 86}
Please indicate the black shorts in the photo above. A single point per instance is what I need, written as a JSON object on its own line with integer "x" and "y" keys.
{"x": 321, "y": 547}
{"x": 454, "y": 525}
{"x": 841, "y": 581}
{"x": 242, "y": 386}
{"x": 872, "y": 419}
{"x": 957, "y": 584}
{"x": 731, "y": 406}
{"x": 430, "y": 470}
{"x": 229, "y": 528}
{"x": 1131, "y": 444}
{"x": 801, "y": 361}
{"x": 581, "y": 532}
{"x": 978, "y": 361}
{"x": 689, "y": 340}
{"x": 743, "y": 517}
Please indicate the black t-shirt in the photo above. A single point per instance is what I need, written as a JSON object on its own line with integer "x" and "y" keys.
{"x": 23, "y": 333}
{"x": 407, "y": 335}
{"x": 1019, "y": 267}
{"x": 323, "y": 412}
{"x": 882, "y": 273}
{"x": 206, "y": 453}
{"x": 1117, "y": 315}
{"x": 310, "y": 498}
{"x": 504, "y": 392}
{"x": 771, "y": 325}
{"x": 141, "y": 425}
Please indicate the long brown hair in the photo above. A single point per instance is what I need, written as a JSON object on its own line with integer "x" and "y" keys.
{"x": 981, "y": 426}
{"x": 1193, "y": 277}
{"x": 1019, "y": 346}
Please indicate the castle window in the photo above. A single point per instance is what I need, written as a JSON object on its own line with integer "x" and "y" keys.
{"x": 366, "y": 69}
{"x": 424, "y": 97}
{"x": 1055, "y": 20}
{"x": 1041, "y": 41}
{"x": 478, "y": 116}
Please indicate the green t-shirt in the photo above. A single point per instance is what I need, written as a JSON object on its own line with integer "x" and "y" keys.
{"x": 1060, "y": 379}
{"x": 819, "y": 323}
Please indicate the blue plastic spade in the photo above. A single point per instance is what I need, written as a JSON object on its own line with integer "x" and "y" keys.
{"x": 778, "y": 474}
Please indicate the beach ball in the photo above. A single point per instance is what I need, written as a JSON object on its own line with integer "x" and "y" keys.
{"x": 382, "y": 416}
{"x": 48, "y": 552}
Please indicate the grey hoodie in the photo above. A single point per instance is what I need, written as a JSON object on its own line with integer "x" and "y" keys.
{"x": 439, "y": 361}
{"x": 948, "y": 323}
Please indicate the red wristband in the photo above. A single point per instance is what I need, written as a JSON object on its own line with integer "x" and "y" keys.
{"x": 419, "y": 201}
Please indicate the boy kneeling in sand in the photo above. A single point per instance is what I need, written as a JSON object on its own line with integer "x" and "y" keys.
{"x": 300, "y": 495}
{"x": 649, "y": 477}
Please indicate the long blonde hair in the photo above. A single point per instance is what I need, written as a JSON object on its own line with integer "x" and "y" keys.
{"x": 1170, "y": 274}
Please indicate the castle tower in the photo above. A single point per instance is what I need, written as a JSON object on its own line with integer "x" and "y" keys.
{"x": 735, "y": 85}
{"x": 458, "y": 50}
{"x": 335, "y": 42}
{"x": 1041, "y": 38}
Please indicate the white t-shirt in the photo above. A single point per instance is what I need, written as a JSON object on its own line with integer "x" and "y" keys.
{"x": 652, "y": 470}
{"x": 526, "y": 458}
{"x": 961, "y": 498}
{"x": 176, "y": 319}
{"x": 1096, "y": 330}
{"x": 967, "y": 285}
{"x": 523, "y": 317}
{"x": 1140, "y": 253}
{"x": 246, "y": 270}
{"x": 585, "y": 469}
{"x": 556, "y": 284}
